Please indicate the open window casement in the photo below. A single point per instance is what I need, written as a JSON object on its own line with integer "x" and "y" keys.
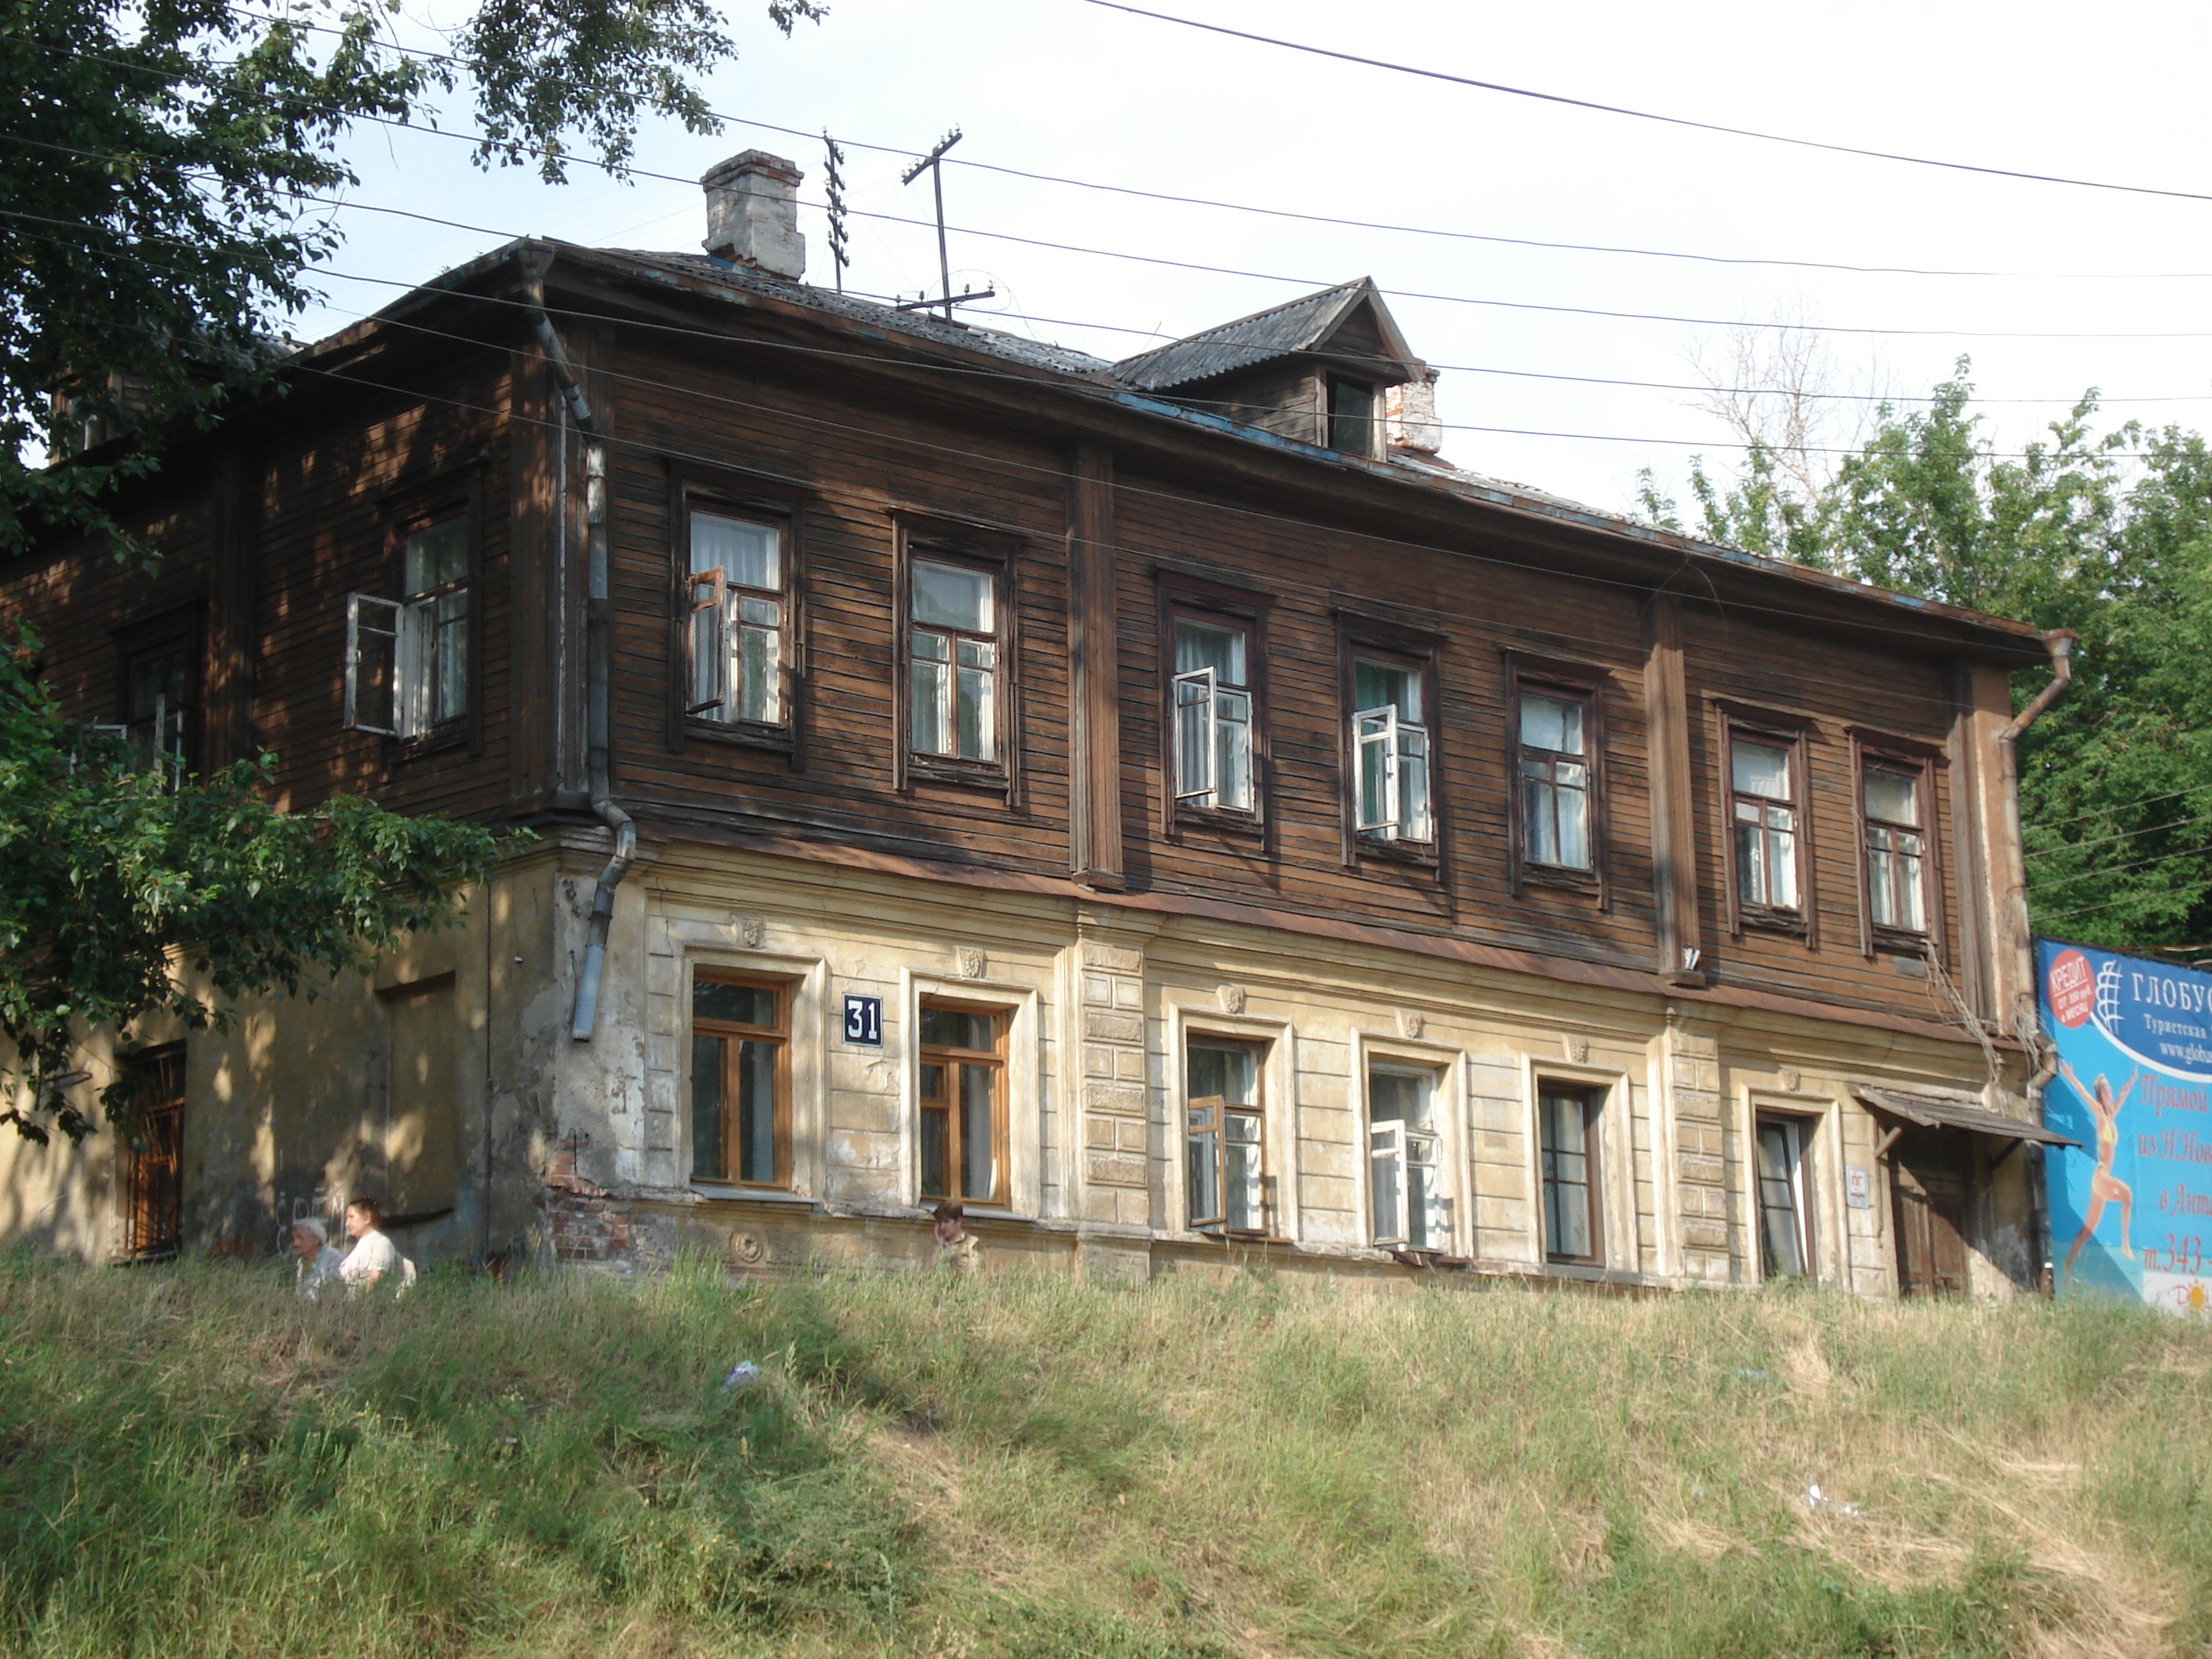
{"x": 1393, "y": 762}
{"x": 1227, "y": 1188}
{"x": 1213, "y": 742}
{"x": 1411, "y": 1210}
{"x": 392, "y": 665}
{"x": 372, "y": 675}
{"x": 709, "y": 643}
{"x": 156, "y": 742}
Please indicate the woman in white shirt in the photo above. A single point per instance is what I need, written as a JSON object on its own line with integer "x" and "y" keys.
{"x": 374, "y": 1259}
{"x": 319, "y": 1262}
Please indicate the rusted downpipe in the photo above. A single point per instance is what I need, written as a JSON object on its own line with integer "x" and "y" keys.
{"x": 2059, "y": 642}
{"x": 599, "y": 643}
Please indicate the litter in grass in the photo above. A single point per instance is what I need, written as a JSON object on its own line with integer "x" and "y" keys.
{"x": 741, "y": 1377}
{"x": 1820, "y": 1504}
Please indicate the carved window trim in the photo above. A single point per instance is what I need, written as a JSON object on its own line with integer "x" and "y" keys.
{"x": 1183, "y": 597}
{"x": 1581, "y": 683}
{"x": 1360, "y": 634}
{"x": 1791, "y": 732}
{"x": 740, "y": 495}
{"x": 942, "y": 541}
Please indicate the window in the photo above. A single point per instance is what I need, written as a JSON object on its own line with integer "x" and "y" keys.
{"x": 740, "y": 1082}
{"x": 1890, "y": 797}
{"x": 1390, "y": 750}
{"x": 964, "y": 1104}
{"x": 1554, "y": 737}
{"x": 1405, "y": 1184}
{"x": 1567, "y": 1124}
{"x": 161, "y": 689}
{"x": 152, "y": 1197}
{"x": 1763, "y": 790}
{"x": 954, "y": 652}
{"x": 737, "y": 609}
{"x": 1352, "y": 418}
{"x": 1785, "y": 1221}
{"x": 408, "y": 660}
{"x": 1224, "y": 1162}
{"x": 1212, "y": 694}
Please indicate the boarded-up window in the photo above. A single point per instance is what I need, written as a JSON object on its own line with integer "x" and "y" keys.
{"x": 422, "y": 1100}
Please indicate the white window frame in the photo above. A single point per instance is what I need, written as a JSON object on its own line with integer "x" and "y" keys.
{"x": 1212, "y": 693}
{"x": 725, "y": 602}
{"x": 1821, "y": 1120}
{"x": 1447, "y": 1117}
{"x": 410, "y": 654}
{"x": 996, "y": 731}
{"x": 1384, "y": 727}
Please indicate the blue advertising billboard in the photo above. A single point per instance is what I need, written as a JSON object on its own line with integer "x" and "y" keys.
{"x": 2131, "y": 1207}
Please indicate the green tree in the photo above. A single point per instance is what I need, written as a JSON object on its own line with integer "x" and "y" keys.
{"x": 158, "y": 162}
{"x": 129, "y": 894}
{"x": 153, "y": 161}
{"x": 2110, "y": 535}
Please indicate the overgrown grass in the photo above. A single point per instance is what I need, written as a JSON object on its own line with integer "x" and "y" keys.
{"x": 192, "y": 1463}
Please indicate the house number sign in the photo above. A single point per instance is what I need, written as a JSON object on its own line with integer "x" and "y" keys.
{"x": 863, "y": 1021}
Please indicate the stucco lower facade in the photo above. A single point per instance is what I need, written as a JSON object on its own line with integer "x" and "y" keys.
{"x": 449, "y": 1085}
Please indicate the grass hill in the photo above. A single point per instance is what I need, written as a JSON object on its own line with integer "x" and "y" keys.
{"x": 193, "y": 1464}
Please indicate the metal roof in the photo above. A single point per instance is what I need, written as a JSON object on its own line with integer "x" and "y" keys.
{"x": 1034, "y": 354}
{"x": 1935, "y": 1112}
{"x": 1278, "y": 332}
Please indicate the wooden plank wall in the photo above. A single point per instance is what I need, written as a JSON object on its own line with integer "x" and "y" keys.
{"x": 306, "y": 503}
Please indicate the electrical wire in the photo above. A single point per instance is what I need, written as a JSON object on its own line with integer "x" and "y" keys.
{"x": 2121, "y": 806}
{"x": 1700, "y": 444}
{"x": 1647, "y": 115}
{"x": 461, "y": 60}
{"x": 2122, "y": 869}
{"x": 2149, "y": 829}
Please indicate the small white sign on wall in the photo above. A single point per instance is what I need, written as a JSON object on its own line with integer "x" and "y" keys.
{"x": 1858, "y": 1186}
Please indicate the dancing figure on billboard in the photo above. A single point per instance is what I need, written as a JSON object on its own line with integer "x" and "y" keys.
{"x": 2103, "y": 1184}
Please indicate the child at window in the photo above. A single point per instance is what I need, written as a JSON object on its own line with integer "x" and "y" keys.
{"x": 956, "y": 1248}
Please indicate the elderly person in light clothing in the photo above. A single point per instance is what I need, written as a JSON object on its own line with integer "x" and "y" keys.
{"x": 319, "y": 1261}
{"x": 374, "y": 1259}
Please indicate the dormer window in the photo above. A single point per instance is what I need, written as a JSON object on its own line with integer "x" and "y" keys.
{"x": 1352, "y": 408}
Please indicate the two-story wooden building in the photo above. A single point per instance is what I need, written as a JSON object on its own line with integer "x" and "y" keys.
{"x": 1162, "y": 805}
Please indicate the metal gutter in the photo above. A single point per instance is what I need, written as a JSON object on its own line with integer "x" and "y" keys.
{"x": 535, "y": 259}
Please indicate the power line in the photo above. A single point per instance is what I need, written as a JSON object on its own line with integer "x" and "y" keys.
{"x": 2122, "y": 869}
{"x": 1647, "y": 115}
{"x": 2121, "y": 806}
{"x": 1700, "y": 444}
{"x": 340, "y": 204}
{"x": 1216, "y": 205}
{"x": 2149, "y": 829}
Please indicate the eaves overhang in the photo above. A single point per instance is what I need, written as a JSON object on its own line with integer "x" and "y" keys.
{"x": 1089, "y": 391}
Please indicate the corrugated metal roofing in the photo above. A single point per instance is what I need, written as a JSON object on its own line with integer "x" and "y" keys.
{"x": 1298, "y": 325}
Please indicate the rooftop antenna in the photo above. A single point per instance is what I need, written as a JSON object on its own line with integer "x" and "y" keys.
{"x": 840, "y": 246}
{"x": 945, "y": 297}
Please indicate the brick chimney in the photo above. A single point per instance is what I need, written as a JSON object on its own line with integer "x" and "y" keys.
{"x": 752, "y": 214}
{"x": 1410, "y": 411}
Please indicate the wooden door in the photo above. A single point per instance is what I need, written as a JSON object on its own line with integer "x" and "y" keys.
{"x": 154, "y": 1190}
{"x": 1929, "y": 1192}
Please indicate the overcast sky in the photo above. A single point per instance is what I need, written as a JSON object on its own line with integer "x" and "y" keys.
{"x": 1069, "y": 89}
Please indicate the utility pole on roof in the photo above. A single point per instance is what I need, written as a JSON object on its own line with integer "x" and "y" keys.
{"x": 932, "y": 164}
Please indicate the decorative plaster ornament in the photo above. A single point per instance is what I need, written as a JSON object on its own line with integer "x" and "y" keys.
{"x": 1409, "y": 1024}
{"x": 970, "y": 960}
{"x": 1232, "y": 999}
